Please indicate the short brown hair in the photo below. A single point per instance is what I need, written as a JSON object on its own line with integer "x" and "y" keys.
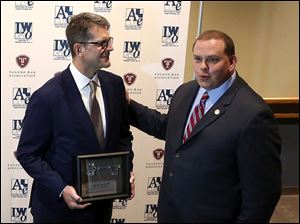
{"x": 218, "y": 35}
{"x": 79, "y": 25}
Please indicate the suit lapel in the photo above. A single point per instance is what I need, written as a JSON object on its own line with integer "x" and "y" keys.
{"x": 107, "y": 97}
{"x": 73, "y": 98}
{"x": 185, "y": 103}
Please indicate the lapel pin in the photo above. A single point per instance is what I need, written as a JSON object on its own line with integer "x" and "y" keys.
{"x": 217, "y": 112}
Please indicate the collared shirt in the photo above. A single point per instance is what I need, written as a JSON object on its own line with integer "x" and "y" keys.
{"x": 214, "y": 95}
{"x": 84, "y": 88}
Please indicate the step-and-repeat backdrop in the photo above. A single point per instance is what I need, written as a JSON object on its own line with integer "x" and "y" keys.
{"x": 150, "y": 40}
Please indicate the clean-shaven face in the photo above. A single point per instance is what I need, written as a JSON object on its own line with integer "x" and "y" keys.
{"x": 211, "y": 65}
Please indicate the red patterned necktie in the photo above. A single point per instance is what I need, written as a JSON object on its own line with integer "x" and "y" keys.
{"x": 197, "y": 114}
{"x": 96, "y": 113}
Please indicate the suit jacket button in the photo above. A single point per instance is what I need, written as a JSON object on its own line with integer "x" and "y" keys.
{"x": 171, "y": 174}
{"x": 177, "y": 155}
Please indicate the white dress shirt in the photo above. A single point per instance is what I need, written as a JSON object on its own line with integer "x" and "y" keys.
{"x": 84, "y": 88}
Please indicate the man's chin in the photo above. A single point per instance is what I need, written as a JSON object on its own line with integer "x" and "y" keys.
{"x": 205, "y": 85}
{"x": 106, "y": 64}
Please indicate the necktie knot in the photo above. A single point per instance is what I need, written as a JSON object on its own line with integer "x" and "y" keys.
{"x": 93, "y": 97}
{"x": 204, "y": 97}
{"x": 93, "y": 86}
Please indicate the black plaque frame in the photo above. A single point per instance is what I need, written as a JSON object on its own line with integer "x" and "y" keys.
{"x": 103, "y": 176}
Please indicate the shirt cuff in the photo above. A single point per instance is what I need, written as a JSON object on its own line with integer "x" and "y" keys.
{"x": 62, "y": 191}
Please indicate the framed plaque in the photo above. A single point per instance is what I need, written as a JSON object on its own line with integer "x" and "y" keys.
{"x": 103, "y": 176}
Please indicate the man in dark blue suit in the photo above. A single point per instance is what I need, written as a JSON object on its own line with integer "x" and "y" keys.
{"x": 57, "y": 125}
{"x": 226, "y": 166}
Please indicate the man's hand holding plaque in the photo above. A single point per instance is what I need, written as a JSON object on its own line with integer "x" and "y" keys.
{"x": 72, "y": 198}
{"x": 132, "y": 185}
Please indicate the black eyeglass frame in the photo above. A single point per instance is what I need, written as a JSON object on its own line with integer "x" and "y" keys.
{"x": 103, "y": 43}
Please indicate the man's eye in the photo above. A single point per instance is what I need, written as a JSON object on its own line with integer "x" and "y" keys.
{"x": 212, "y": 60}
{"x": 197, "y": 59}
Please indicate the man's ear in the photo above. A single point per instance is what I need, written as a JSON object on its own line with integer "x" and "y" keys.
{"x": 77, "y": 49}
{"x": 232, "y": 62}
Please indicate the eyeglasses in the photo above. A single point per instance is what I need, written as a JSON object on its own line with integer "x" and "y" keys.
{"x": 103, "y": 43}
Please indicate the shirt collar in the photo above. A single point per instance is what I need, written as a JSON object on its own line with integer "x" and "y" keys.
{"x": 81, "y": 80}
{"x": 215, "y": 94}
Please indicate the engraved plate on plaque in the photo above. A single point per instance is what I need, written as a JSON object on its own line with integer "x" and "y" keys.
{"x": 103, "y": 176}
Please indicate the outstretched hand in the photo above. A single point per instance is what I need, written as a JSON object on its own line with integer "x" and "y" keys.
{"x": 127, "y": 96}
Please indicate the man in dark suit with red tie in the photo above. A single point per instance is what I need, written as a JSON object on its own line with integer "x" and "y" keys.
{"x": 57, "y": 125}
{"x": 224, "y": 167}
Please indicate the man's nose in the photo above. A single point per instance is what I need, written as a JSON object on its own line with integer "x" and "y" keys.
{"x": 203, "y": 65}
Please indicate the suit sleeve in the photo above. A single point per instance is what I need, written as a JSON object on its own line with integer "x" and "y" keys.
{"x": 259, "y": 168}
{"x": 148, "y": 120}
{"x": 126, "y": 137}
{"x": 34, "y": 143}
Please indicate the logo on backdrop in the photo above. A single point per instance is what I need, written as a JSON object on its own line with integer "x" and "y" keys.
{"x": 24, "y": 5}
{"x": 22, "y": 60}
{"x": 120, "y": 203}
{"x": 172, "y": 7}
{"x": 102, "y": 6}
{"x": 163, "y": 98}
{"x": 62, "y": 15}
{"x": 129, "y": 78}
{"x": 19, "y": 188}
{"x": 117, "y": 220}
{"x": 14, "y": 166}
{"x": 61, "y": 50}
{"x": 150, "y": 213}
{"x": 134, "y": 18}
{"x": 16, "y": 128}
{"x": 170, "y": 36}
{"x": 18, "y": 214}
{"x": 153, "y": 185}
{"x": 167, "y": 63}
{"x": 132, "y": 51}
{"x": 21, "y": 97}
{"x": 158, "y": 153}
{"x": 23, "y": 32}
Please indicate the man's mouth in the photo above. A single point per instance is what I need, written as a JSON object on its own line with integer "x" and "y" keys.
{"x": 105, "y": 55}
{"x": 204, "y": 77}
